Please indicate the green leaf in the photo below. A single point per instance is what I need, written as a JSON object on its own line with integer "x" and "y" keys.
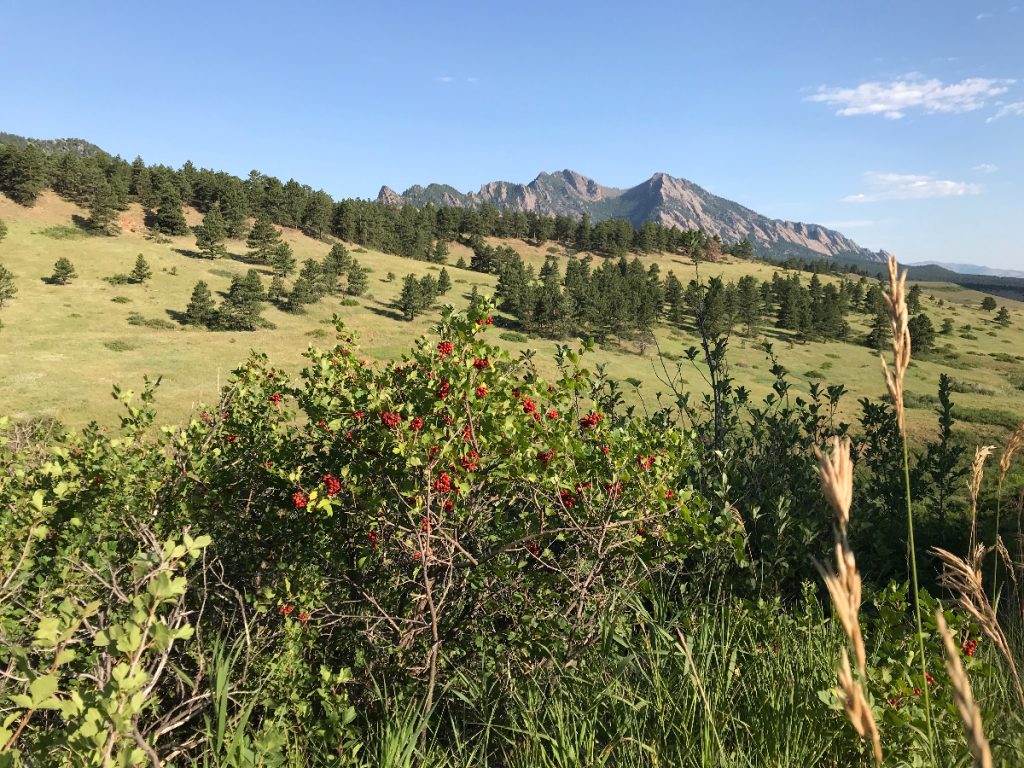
{"x": 43, "y": 687}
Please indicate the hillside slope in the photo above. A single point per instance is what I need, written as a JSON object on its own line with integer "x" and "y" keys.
{"x": 662, "y": 198}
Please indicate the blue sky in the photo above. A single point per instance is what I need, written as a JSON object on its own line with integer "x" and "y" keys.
{"x": 901, "y": 124}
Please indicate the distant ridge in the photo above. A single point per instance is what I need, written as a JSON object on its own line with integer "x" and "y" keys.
{"x": 971, "y": 269}
{"x": 662, "y": 198}
{"x": 79, "y": 147}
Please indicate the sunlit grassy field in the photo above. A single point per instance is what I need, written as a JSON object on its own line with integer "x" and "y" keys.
{"x": 62, "y": 348}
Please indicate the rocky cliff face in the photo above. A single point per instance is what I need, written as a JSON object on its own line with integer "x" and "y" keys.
{"x": 662, "y": 198}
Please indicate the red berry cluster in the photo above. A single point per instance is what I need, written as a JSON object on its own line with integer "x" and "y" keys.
{"x": 481, "y": 391}
{"x": 969, "y": 647}
{"x": 567, "y": 497}
{"x": 480, "y": 363}
{"x": 469, "y": 461}
{"x": 390, "y": 419}
{"x": 442, "y": 392}
{"x": 443, "y": 484}
{"x": 299, "y": 499}
{"x": 534, "y": 549}
{"x": 416, "y": 424}
{"x": 552, "y": 414}
{"x": 303, "y": 617}
{"x": 613, "y": 489}
{"x": 372, "y": 536}
{"x": 645, "y": 461}
{"x": 276, "y": 398}
{"x": 232, "y": 438}
{"x": 425, "y": 525}
{"x": 529, "y": 406}
{"x": 331, "y": 484}
{"x": 546, "y": 456}
{"x": 433, "y": 451}
{"x": 357, "y": 415}
{"x": 286, "y": 609}
{"x": 591, "y": 420}
{"x": 445, "y": 348}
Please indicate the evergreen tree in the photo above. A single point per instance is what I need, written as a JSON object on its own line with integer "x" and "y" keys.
{"x": 200, "y": 311}
{"x": 7, "y": 287}
{"x": 312, "y": 273}
{"x": 942, "y": 465}
{"x": 3, "y": 230}
{"x": 316, "y": 218}
{"x": 303, "y": 292}
{"x": 22, "y": 173}
{"x": 281, "y": 259}
{"x": 410, "y": 300}
{"x": 277, "y": 292}
{"x": 169, "y": 218}
{"x": 235, "y": 209}
{"x": 264, "y": 240}
{"x": 1003, "y": 317}
{"x": 444, "y": 282}
{"x": 358, "y": 279}
{"x": 461, "y": 263}
{"x": 103, "y": 210}
{"x": 914, "y": 299}
{"x": 947, "y": 327}
{"x": 141, "y": 272}
{"x": 336, "y": 263}
{"x": 988, "y": 304}
{"x": 880, "y": 333}
{"x": 211, "y": 233}
{"x": 748, "y": 303}
{"x": 922, "y": 333}
{"x": 63, "y": 271}
{"x": 241, "y": 308}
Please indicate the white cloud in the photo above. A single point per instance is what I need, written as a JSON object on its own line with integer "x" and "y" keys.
{"x": 986, "y": 168}
{"x": 446, "y": 79}
{"x": 893, "y": 99}
{"x": 902, "y": 186}
{"x": 1014, "y": 108}
{"x": 983, "y": 16}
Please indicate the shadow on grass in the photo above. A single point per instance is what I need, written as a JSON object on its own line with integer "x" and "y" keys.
{"x": 384, "y": 311}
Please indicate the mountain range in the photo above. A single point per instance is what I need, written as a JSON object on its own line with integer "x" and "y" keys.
{"x": 662, "y": 198}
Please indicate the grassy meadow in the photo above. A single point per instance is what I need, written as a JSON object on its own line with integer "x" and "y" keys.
{"x": 63, "y": 347}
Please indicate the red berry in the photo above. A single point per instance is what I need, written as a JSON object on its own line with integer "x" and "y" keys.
{"x": 300, "y": 499}
{"x": 528, "y": 405}
{"x": 390, "y": 419}
{"x": 416, "y": 424}
{"x": 444, "y": 348}
{"x": 481, "y": 391}
{"x": 276, "y": 398}
{"x": 443, "y": 484}
{"x": 552, "y": 414}
{"x": 331, "y": 484}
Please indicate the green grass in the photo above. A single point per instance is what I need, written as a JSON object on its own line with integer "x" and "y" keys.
{"x": 43, "y": 342}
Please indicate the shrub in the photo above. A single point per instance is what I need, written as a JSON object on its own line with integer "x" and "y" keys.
{"x": 121, "y": 300}
{"x": 117, "y": 345}
{"x": 514, "y": 336}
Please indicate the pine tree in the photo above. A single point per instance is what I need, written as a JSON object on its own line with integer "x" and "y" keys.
{"x": 302, "y": 293}
{"x": 63, "y": 271}
{"x": 103, "y": 210}
{"x": 243, "y": 304}
{"x": 358, "y": 279}
{"x": 410, "y": 300}
{"x": 281, "y": 259}
{"x": 141, "y": 272}
{"x": 880, "y": 333}
{"x": 336, "y": 263}
{"x": 988, "y": 304}
{"x": 235, "y": 209}
{"x": 211, "y": 233}
{"x": 200, "y": 311}
{"x": 22, "y": 173}
{"x": 3, "y": 230}
{"x": 7, "y": 287}
{"x": 922, "y": 333}
{"x": 263, "y": 240}
{"x": 169, "y": 218}
{"x": 461, "y": 263}
{"x": 947, "y": 327}
{"x": 1003, "y": 317}
{"x": 444, "y": 282}
{"x": 276, "y": 292}
{"x": 914, "y": 299}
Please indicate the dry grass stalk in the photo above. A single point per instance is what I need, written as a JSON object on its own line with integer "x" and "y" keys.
{"x": 963, "y": 577}
{"x": 964, "y": 698}
{"x": 844, "y": 586}
{"x": 1013, "y": 446}
{"x": 977, "y": 473}
{"x": 857, "y": 708}
{"x": 896, "y": 307}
